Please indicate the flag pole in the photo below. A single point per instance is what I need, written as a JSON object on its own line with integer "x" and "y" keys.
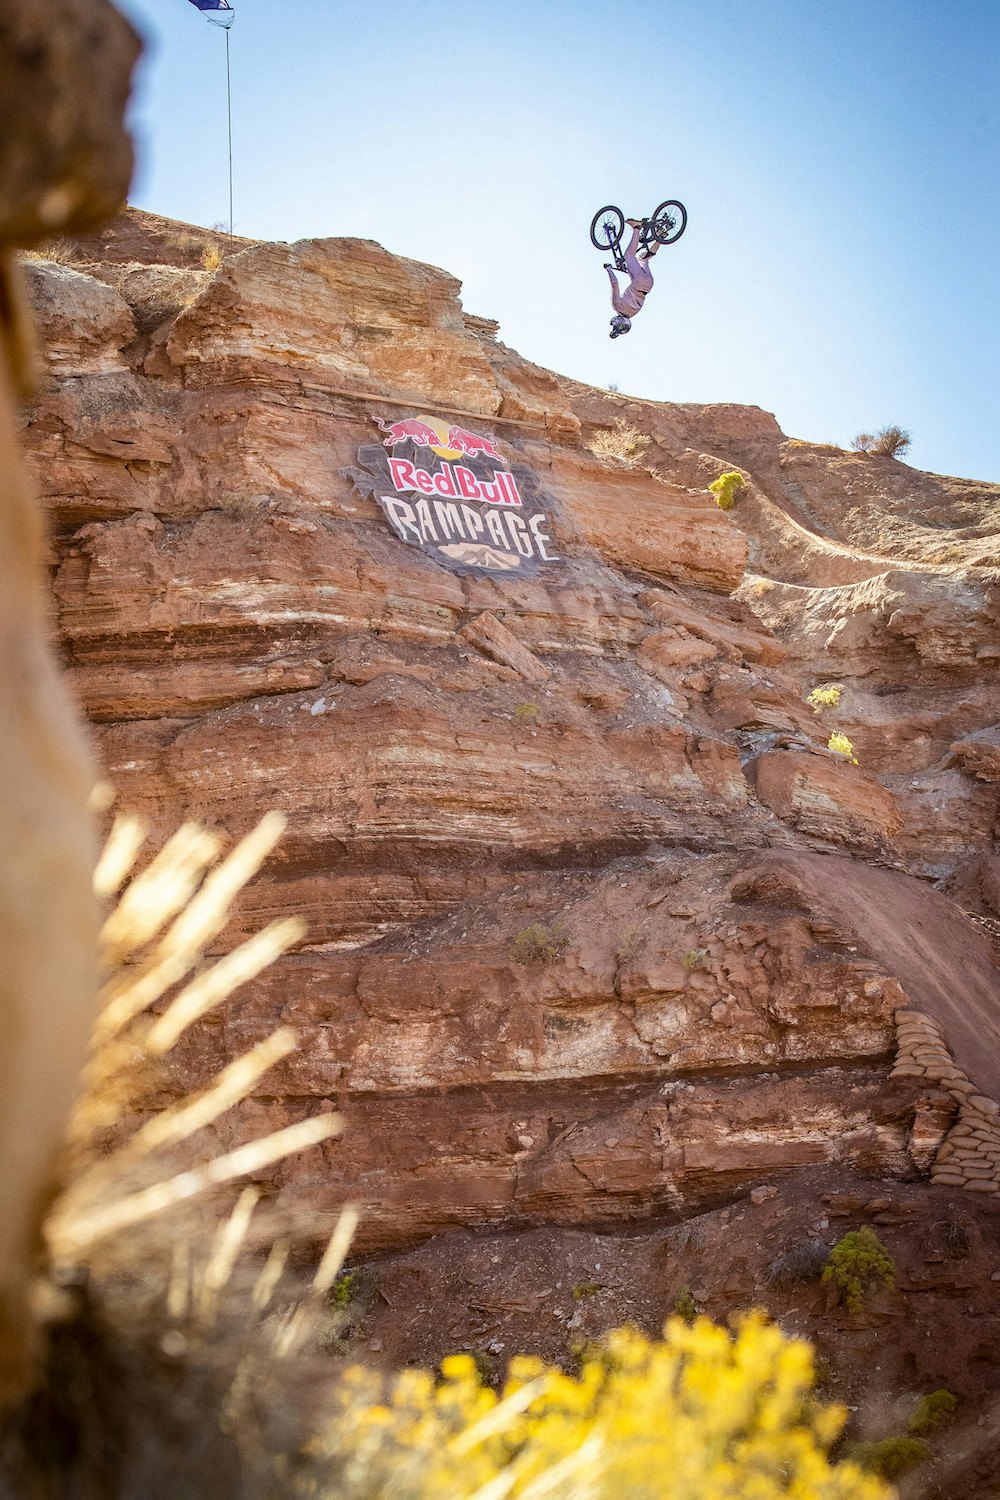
{"x": 229, "y": 116}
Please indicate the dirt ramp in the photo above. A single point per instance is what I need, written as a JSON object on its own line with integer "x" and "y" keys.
{"x": 946, "y": 965}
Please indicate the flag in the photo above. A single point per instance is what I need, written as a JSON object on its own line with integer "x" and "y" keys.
{"x": 219, "y": 12}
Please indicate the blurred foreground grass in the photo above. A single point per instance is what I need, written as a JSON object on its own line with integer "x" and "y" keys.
{"x": 189, "y": 1353}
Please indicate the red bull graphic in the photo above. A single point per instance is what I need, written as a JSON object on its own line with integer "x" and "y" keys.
{"x": 471, "y": 443}
{"x": 455, "y": 480}
{"x": 454, "y": 494}
{"x": 410, "y": 430}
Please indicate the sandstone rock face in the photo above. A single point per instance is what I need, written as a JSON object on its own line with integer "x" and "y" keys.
{"x": 599, "y": 929}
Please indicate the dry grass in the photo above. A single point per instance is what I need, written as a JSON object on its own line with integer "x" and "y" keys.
{"x": 59, "y": 252}
{"x": 171, "y": 1308}
{"x": 242, "y": 504}
{"x": 621, "y": 441}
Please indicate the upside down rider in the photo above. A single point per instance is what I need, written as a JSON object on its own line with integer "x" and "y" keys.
{"x": 629, "y": 302}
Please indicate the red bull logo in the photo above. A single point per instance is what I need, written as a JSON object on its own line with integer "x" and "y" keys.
{"x": 456, "y": 481}
{"x": 456, "y": 496}
{"x": 410, "y": 430}
{"x": 472, "y": 444}
{"x": 443, "y": 438}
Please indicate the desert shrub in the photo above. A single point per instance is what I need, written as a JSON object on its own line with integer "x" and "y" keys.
{"x": 802, "y": 1262}
{"x": 539, "y": 944}
{"x": 628, "y": 945}
{"x": 685, "y": 1306}
{"x": 184, "y": 243}
{"x": 890, "y": 1457}
{"x": 930, "y": 1411}
{"x": 694, "y": 958}
{"x": 956, "y": 1237}
{"x": 613, "y": 387}
{"x": 211, "y": 260}
{"x": 841, "y": 745}
{"x": 342, "y": 1293}
{"x": 856, "y": 1264}
{"x": 525, "y": 712}
{"x": 242, "y": 505}
{"x": 720, "y": 1413}
{"x": 828, "y": 695}
{"x": 586, "y": 1289}
{"x": 59, "y": 252}
{"x": 888, "y": 442}
{"x": 726, "y": 488}
{"x": 621, "y": 440}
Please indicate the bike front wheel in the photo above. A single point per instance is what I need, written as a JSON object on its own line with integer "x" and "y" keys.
{"x": 668, "y": 222}
{"x": 607, "y": 227}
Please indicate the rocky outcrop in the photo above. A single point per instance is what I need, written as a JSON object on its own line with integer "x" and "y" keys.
{"x": 599, "y": 928}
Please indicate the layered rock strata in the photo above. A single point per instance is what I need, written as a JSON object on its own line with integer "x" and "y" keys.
{"x": 599, "y": 928}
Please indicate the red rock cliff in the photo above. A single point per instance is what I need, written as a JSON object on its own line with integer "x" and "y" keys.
{"x": 598, "y": 927}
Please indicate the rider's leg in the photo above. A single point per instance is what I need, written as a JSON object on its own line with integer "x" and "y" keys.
{"x": 642, "y": 276}
{"x": 616, "y": 295}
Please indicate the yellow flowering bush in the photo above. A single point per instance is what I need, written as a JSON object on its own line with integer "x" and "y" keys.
{"x": 826, "y": 696}
{"x": 841, "y": 745}
{"x": 726, "y": 488}
{"x": 702, "y": 1414}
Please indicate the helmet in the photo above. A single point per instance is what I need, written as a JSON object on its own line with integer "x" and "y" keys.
{"x": 620, "y": 324}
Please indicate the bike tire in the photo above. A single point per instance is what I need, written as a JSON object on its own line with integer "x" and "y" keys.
{"x": 669, "y": 221}
{"x": 612, "y": 221}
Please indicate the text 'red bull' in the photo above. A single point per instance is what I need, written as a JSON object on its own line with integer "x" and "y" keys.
{"x": 456, "y": 482}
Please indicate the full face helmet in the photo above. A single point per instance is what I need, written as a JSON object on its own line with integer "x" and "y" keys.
{"x": 620, "y": 324}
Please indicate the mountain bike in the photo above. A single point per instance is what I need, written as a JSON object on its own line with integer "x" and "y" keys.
{"x": 665, "y": 224}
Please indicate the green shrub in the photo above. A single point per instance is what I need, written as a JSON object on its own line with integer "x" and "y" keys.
{"x": 586, "y": 1289}
{"x": 856, "y": 1264}
{"x": 685, "y": 1306}
{"x": 539, "y": 944}
{"x": 930, "y": 1411}
{"x": 726, "y": 488}
{"x": 694, "y": 958}
{"x": 524, "y": 712}
{"x": 342, "y": 1292}
{"x": 889, "y": 1457}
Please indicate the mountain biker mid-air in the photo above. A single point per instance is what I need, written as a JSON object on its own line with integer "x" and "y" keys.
{"x": 629, "y": 302}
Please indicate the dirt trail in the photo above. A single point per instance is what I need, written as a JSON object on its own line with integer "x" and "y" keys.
{"x": 946, "y": 965}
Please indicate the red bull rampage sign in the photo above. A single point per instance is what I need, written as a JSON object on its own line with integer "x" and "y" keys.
{"x": 454, "y": 494}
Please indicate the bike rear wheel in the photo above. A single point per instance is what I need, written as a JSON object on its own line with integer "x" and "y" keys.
{"x": 668, "y": 222}
{"x": 607, "y": 227}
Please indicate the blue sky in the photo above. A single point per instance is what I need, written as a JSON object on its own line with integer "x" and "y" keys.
{"x": 839, "y": 163}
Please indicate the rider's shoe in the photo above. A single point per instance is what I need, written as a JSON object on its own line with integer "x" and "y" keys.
{"x": 635, "y": 223}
